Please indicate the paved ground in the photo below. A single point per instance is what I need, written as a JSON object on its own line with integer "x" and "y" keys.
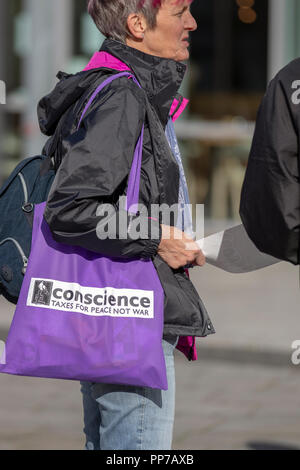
{"x": 243, "y": 393}
{"x": 224, "y": 405}
{"x": 220, "y": 405}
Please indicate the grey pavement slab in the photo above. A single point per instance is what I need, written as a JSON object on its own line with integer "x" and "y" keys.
{"x": 219, "y": 405}
{"x": 232, "y": 406}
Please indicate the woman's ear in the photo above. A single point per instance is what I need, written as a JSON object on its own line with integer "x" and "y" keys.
{"x": 136, "y": 24}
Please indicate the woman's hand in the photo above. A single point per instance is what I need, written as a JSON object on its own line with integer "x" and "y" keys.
{"x": 177, "y": 249}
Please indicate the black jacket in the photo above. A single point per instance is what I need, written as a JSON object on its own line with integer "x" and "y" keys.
{"x": 94, "y": 163}
{"x": 270, "y": 202}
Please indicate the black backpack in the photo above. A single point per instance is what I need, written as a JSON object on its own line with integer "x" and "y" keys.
{"x": 29, "y": 184}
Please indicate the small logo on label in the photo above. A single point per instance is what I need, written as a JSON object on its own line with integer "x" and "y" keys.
{"x": 42, "y": 293}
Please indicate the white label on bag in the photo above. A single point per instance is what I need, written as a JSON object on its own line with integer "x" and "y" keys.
{"x": 93, "y": 301}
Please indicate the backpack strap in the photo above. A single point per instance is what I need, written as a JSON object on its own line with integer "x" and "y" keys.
{"x": 47, "y": 165}
{"x": 53, "y": 161}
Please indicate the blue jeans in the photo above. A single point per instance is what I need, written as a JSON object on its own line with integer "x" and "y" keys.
{"x": 122, "y": 417}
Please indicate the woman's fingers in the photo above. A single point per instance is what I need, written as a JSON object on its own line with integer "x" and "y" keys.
{"x": 200, "y": 260}
{"x": 177, "y": 249}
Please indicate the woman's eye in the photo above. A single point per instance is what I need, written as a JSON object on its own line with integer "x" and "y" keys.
{"x": 181, "y": 12}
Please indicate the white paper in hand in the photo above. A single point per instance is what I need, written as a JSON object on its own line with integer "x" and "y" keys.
{"x": 234, "y": 252}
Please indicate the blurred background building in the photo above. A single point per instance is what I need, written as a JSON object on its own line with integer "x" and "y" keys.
{"x": 238, "y": 47}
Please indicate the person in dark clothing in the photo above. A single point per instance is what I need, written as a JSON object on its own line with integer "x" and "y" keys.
{"x": 93, "y": 159}
{"x": 270, "y": 199}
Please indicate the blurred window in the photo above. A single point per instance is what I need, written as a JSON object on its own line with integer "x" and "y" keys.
{"x": 229, "y": 57}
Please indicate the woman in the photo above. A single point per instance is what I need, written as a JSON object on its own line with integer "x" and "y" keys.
{"x": 150, "y": 39}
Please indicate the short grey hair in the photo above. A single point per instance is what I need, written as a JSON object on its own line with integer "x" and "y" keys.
{"x": 110, "y": 16}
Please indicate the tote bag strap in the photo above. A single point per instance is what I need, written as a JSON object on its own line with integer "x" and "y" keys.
{"x": 133, "y": 189}
{"x": 103, "y": 85}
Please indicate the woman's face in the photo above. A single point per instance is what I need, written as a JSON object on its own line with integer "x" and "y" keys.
{"x": 170, "y": 38}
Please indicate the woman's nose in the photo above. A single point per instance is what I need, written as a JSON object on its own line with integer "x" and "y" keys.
{"x": 191, "y": 23}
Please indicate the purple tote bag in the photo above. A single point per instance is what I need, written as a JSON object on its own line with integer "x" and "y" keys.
{"x": 82, "y": 316}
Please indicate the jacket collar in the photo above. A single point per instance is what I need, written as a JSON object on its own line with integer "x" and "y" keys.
{"x": 159, "y": 77}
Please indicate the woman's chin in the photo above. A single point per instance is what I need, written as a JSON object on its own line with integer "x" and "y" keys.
{"x": 183, "y": 55}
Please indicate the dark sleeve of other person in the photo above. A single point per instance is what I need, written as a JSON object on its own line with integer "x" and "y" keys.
{"x": 270, "y": 200}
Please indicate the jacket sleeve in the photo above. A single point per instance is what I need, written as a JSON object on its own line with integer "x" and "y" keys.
{"x": 94, "y": 173}
{"x": 270, "y": 200}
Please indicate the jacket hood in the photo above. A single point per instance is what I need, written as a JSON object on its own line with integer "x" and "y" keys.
{"x": 160, "y": 78}
{"x": 67, "y": 92}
